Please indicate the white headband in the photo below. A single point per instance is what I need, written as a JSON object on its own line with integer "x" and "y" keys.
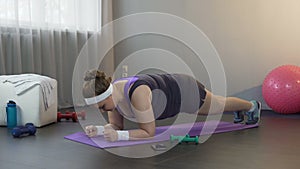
{"x": 101, "y": 97}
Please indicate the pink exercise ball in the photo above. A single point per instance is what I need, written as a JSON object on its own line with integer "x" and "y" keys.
{"x": 281, "y": 89}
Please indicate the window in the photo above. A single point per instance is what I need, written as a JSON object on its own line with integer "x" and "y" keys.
{"x": 57, "y": 14}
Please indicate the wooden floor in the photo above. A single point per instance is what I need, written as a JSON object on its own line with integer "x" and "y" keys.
{"x": 274, "y": 145}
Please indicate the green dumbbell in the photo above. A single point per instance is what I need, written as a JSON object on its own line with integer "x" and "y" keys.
{"x": 185, "y": 138}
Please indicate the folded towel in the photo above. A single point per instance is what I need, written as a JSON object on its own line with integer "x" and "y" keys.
{"x": 24, "y": 82}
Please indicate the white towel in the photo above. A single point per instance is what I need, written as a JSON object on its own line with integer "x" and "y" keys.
{"x": 24, "y": 82}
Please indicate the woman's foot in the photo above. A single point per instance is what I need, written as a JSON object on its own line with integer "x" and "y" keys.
{"x": 238, "y": 117}
{"x": 254, "y": 116}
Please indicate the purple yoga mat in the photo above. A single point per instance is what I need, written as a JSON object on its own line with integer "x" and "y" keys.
{"x": 163, "y": 133}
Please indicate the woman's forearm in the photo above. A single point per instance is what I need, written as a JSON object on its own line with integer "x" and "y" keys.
{"x": 116, "y": 127}
{"x": 138, "y": 134}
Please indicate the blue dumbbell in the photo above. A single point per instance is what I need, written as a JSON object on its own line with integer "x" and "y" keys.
{"x": 28, "y": 129}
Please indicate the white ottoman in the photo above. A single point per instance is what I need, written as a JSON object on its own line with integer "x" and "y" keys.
{"x": 30, "y": 104}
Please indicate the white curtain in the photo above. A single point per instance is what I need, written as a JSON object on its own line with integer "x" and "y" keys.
{"x": 45, "y": 37}
{"x": 57, "y": 14}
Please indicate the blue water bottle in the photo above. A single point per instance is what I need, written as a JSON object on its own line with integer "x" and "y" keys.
{"x": 11, "y": 114}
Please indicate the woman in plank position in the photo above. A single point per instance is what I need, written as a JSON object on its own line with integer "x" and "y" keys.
{"x": 150, "y": 97}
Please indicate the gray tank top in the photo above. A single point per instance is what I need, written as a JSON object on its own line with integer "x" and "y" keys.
{"x": 171, "y": 93}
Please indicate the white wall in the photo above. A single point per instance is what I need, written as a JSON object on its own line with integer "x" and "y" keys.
{"x": 251, "y": 36}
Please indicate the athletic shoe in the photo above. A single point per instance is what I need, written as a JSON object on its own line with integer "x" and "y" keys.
{"x": 238, "y": 117}
{"x": 254, "y": 116}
